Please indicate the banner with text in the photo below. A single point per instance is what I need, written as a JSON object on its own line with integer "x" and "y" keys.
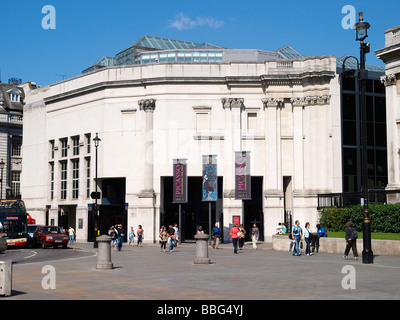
{"x": 242, "y": 176}
{"x": 180, "y": 181}
{"x": 210, "y": 178}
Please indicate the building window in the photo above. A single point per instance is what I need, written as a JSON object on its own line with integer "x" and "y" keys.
{"x": 88, "y": 140}
{"x": 252, "y": 122}
{"x": 52, "y": 149}
{"x": 75, "y": 146}
{"x": 87, "y": 177}
{"x": 75, "y": 179}
{"x": 64, "y": 147}
{"x": 16, "y": 143}
{"x": 63, "y": 171}
{"x": 15, "y": 97}
{"x": 15, "y": 183}
{"x": 51, "y": 180}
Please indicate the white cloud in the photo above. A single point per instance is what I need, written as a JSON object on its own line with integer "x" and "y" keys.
{"x": 183, "y": 22}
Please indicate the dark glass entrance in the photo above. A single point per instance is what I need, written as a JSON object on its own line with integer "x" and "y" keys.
{"x": 112, "y": 208}
{"x": 253, "y": 212}
{"x": 195, "y": 213}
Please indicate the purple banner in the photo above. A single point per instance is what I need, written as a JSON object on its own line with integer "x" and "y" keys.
{"x": 242, "y": 176}
{"x": 180, "y": 185}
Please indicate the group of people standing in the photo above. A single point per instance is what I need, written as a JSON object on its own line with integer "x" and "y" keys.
{"x": 238, "y": 235}
{"x": 298, "y": 235}
{"x": 170, "y": 236}
{"x": 117, "y": 234}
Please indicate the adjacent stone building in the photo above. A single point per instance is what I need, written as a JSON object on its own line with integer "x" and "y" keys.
{"x": 11, "y": 112}
{"x": 390, "y": 55}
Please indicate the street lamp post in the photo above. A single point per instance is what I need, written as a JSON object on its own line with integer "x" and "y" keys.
{"x": 2, "y": 164}
{"x": 361, "y": 28}
{"x": 96, "y": 209}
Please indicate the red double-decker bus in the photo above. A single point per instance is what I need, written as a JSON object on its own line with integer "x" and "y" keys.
{"x": 13, "y": 217}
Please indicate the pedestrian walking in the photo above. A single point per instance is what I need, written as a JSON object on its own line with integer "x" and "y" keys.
{"x": 113, "y": 235}
{"x": 132, "y": 237}
{"x": 176, "y": 234}
{"x": 296, "y": 235}
{"x": 71, "y": 234}
{"x": 140, "y": 235}
{"x": 255, "y": 234}
{"x": 307, "y": 236}
{"x": 171, "y": 237}
{"x": 242, "y": 236}
{"x": 121, "y": 235}
{"x": 215, "y": 237}
{"x": 163, "y": 238}
{"x": 234, "y": 234}
{"x": 351, "y": 241}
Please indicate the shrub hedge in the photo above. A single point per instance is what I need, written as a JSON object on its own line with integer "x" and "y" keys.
{"x": 384, "y": 218}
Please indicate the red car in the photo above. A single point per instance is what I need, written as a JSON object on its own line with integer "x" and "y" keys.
{"x": 49, "y": 236}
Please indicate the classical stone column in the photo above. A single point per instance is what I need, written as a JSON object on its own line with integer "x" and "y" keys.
{"x": 273, "y": 179}
{"x": 392, "y": 123}
{"x": 233, "y": 139}
{"x": 148, "y": 106}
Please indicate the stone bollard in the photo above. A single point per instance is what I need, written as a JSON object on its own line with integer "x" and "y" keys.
{"x": 3, "y": 245}
{"x": 104, "y": 253}
{"x": 6, "y": 278}
{"x": 201, "y": 249}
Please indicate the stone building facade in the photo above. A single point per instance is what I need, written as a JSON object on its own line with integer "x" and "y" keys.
{"x": 285, "y": 112}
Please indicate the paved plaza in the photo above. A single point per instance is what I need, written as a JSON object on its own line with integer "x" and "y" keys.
{"x": 147, "y": 274}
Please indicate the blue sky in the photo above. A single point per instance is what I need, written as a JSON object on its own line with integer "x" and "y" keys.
{"x": 86, "y": 30}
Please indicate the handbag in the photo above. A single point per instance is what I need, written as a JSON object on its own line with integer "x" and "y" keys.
{"x": 301, "y": 244}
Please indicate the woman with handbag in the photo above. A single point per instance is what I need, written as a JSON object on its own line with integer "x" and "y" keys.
{"x": 307, "y": 236}
{"x": 242, "y": 236}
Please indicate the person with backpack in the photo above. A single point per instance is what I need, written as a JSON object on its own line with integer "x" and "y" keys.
{"x": 215, "y": 237}
{"x": 351, "y": 241}
{"x": 296, "y": 235}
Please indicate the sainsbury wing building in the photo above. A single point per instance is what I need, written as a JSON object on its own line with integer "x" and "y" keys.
{"x": 162, "y": 102}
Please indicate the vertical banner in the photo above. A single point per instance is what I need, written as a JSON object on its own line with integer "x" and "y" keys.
{"x": 242, "y": 175}
{"x": 210, "y": 178}
{"x": 180, "y": 181}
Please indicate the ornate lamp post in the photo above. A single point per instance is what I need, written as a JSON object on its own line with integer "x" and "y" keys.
{"x": 2, "y": 164}
{"x": 361, "y": 28}
{"x": 96, "y": 209}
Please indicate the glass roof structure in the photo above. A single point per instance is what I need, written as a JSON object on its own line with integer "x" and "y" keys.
{"x": 288, "y": 52}
{"x": 159, "y": 43}
{"x": 351, "y": 63}
{"x": 103, "y": 62}
{"x": 150, "y": 49}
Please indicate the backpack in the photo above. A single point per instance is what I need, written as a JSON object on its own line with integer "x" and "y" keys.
{"x": 354, "y": 234}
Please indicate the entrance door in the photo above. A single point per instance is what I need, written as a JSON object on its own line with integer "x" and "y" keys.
{"x": 67, "y": 216}
{"x": 112, "y": 208}
{"x": 253, "y": 212}
{"x": 195, "y": 213}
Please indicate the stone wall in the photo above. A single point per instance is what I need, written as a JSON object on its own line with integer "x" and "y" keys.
{"x": 338, "y": 245}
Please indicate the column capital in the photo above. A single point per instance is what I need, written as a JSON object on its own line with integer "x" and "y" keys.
{"x": 388, "y": 79}
{"x": 272, "y": 102}
{"x": 148, "y": 105}
{"x": 232, "y": 103}
{"x": 299, "y": 102}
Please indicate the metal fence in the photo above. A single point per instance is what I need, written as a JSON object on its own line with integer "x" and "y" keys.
{"x": 347, "y": 199}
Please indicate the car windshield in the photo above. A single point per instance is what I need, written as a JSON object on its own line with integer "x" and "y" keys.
{"x": 31, "y": 228}
{"x": 51, "y": 230}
